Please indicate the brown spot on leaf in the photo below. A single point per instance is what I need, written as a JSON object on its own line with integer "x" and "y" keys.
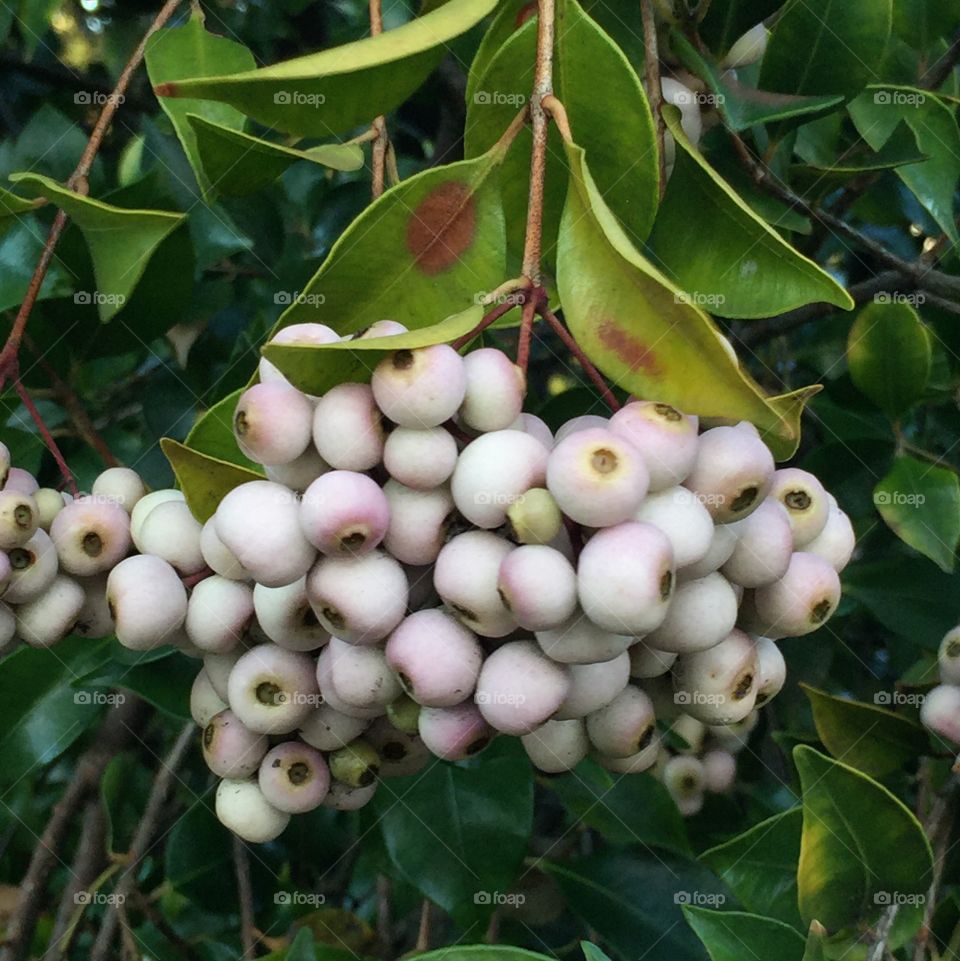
{"x": 442, "y": 227}
{"x": 629, "y": 349}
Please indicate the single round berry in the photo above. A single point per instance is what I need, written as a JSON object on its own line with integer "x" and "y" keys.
{"x": 624, "y": 726}
{"x": 454, "y": 733}
{"x": 806, "y": 503}
{"x": 121, "y": 486}
{"x": 356, "y": 765}
{"x": 218, "y": 613}
{"x": 218, "y": 557}
{"x": 666, "y": 439}
{"x": 286, "y": 617}
{"x": 361, "y": 676}
{"x": 230, "y": 749}
{"x": 594, "y": 686}
{"x": 273, "y": 423}
{"x": 348, "y": 428}
{"x": 702, "y": 613}
{"x": 327, "y": 729}
{"x": 90, "y": 536}
{"x": 19, "y": 519}
{"x": 764, "y": 546}
{"x": 205, "y": 703}
{"x": 771, "y": 670}
{"x": 538, "y": 585}
{"x": 32, "y": 569}
{"x": 836, "y": 542}
{"x": 418, "y": 523}
{"x": 343, "y": 512}
{"x": 557, "y": 745}
{"x": 294, "y": 777}
{"x": 294, "y": 334}
{"x": 687, "y": 523}
{"x": 534, "y": 517}
{"x": 422, "y": 387}
{"x": 242, "y": 808}
{"x": 147, "y": 600}
{"x": 802, "y": 600}
{"x": 579, "y": 641}
{"x": 494, "y": 392}
{"x": 172, "y": 532}
{"x": 49, "y": 617}
{"x": 647, "y": 661}
{"x": 272, "y": 690}
{"x": 420, "y": 458}
{"x": 719, "y": 685}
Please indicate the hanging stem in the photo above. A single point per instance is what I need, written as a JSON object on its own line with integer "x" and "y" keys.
{"x": 651, "y": 65}
{"x": 574, "y": 348}
{"x": 542, "y": 87}
{"x": 381, "y": 140}
{"x": 241, "y": 861}
{"x": 526, "y": 334}
{"x": 48, "y": 440}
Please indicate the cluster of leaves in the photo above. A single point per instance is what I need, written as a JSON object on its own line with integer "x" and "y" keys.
{"x": 209, "y": 212}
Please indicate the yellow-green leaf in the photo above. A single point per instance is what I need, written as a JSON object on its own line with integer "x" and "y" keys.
{"x": 865, "y": 736}
{"x": 644, "y": 333}
{"x": 11, "y": 205}
{"x": 861, "y": 846}
{"x": 204, "y": 480}
{"x": 721, "y": 253}
{"x": 315, "y": 368}
{"x": 236, "y": 163}
{"x": 326, "y": 93}
{"x": 429, "y": 244}
{"x": 121, "y": 241}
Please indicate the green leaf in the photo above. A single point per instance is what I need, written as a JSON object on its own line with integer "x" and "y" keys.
{"x": 213, "y": 434}
{"x": 429, "y": 244}
{"x": 860, "y": 844}
{"x": 121, "y": 241}
{"x": 889, "y": 355}
{"x": 747, "y": 269}
{"x": 45, "y": 713}
{"x": 204, "y": 480}
{"x": 315, "y": 368}
{"x": 880, "y": 110}
{"x": 625, "y": 810}
{"x": 842, "y": 42}
{"x": 815, "y": 948}
{"x": 618, "y": 128}
{"x": 190, "y": 51}
{"x": 481, "y": 952}
{"x": 636, "y": 900}
{"x": 459, "y": 832}
{"x": 11, "y": 205}
{"x": 729, "y": 935}
{"x": 20, "y": 247}
{"x": 335, "y": 90}
{"x": 197, "y": 857}
{"x": 622, "y": 138}
{"x": 743, "y": 107}
{"x": 728, "y": 20}
{"x": 921, "y": 504}
{"x": 165, "y": 682}
{"x": 502, "y": 26}
{"x": 867, "y": 737}
{"x": 760, "y": 866}
{"x": 899, "y": 150}
{"x": 644, "y": 333}
{"x": 593, "y": 953}
{"x": 235, "y": 163}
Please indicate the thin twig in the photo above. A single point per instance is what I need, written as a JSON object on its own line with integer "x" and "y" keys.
{"x": 78, "y": 183}
{"x": 526, "y": 333}
{"x": 117, "y": 730}
{"x": 86, "y": 865}
{"x": 651, "y": 66}
{"x": 575, "y": 349}
{"x": 919, "y": 272}
{"x": 423, "y": 932}
{"x": 241, "y": 865}
{"x": 142, "y": 841}
{"x": 542, "y": 87}
{"x": 48, "y": 440}
{"x": 381, "y": 140}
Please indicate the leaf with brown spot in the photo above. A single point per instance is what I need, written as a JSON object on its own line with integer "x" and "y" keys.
{"x": 644, "y": 333}
{"x": 430, "y": 245}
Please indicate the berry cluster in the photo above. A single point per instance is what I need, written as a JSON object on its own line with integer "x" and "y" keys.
{"x": 56, "y": 552}
{"x": 940, "y": 711}
{"x": 425, "y": 566}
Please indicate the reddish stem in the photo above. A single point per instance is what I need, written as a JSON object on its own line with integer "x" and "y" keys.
{"x": 574, "y": 349}
{"x": 526, "y": 332}
{"x": 491, "y": 317}
{"x": 51, "y": 444}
